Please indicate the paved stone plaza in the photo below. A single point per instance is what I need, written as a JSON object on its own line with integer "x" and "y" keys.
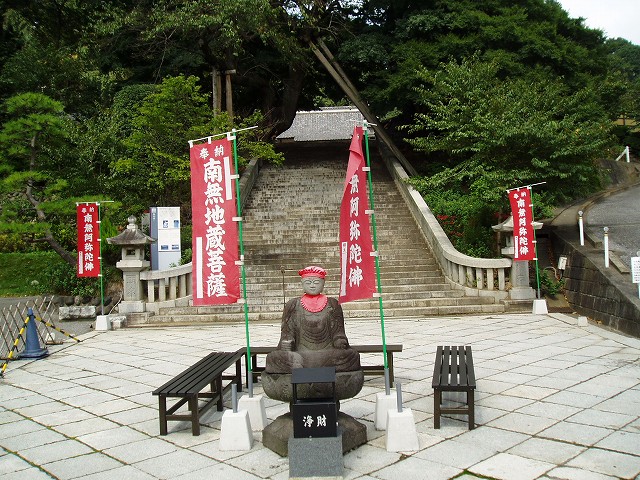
{"x": 554, "y": 400}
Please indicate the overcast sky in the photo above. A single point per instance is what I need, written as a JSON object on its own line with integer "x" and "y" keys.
{"x": 617, "y": 18}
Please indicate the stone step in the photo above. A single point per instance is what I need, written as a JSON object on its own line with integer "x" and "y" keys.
{"x": 270, "y": 316}
{"x": 421, "y": 275}
{"x": 274, "y": 295}
{"x": 291, "y": 220}
{"x": 328, "y": 238}
{"x": 259, "y": 270}
{"x": 330, "y": 259}
{"x": 391, "y": 280}
{"x": 273, "y": 286}
{"x": 257, "y": 305}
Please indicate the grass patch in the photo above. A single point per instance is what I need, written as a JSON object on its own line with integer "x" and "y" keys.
{"x": 21, "y": 273}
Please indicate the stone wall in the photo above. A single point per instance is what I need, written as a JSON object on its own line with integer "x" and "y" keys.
{"x": 604, "y": 298}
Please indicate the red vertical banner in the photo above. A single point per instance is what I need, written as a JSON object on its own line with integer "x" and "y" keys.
{"x": 523, "y": 235}
{"x": 357, "y": 278}
{"x": 215, "y": 277}
{"x": 88, "y": 240}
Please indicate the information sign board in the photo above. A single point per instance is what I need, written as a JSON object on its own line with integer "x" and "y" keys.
{"x": 635, "y": 269}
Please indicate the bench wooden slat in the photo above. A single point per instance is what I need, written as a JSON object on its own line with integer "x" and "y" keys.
{"x": 366, "y": 348}
{"x": 471, "y": 376}
{"x": 437, "y": 368}
{"x": 462, "y": 366}
{"x": 193, "y": 379}
{"x": 393, "y": 347}
{"x": 175, "y": 382}
{"x": 455, "y": 369}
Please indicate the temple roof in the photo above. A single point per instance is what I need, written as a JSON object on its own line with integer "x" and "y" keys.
{"x": 329, "y": 123}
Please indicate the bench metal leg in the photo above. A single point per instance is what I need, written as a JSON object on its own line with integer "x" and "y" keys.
{"x": 239, "y": 374}
{"x": 437, "y": 401}
{"x": 162, "y": 406}
{"x": 390, "y": 365}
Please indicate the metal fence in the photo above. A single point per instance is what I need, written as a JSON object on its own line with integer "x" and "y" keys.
{"x": 12, "y": 321}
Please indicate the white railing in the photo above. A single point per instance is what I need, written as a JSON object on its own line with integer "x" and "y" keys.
{"x": 625, "y": 152}
{"x": 477, "y": 276}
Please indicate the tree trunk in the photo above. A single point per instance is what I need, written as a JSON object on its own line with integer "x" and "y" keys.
{"x": 334, "y": 69}
{"x": 287, "y": 111}
{"x": 53, "y": 243}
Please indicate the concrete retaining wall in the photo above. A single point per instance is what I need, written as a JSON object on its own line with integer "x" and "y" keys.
{"x": 594, "y": 294}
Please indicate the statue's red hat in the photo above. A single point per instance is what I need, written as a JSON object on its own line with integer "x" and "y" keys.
{"x": 313, "y": 271}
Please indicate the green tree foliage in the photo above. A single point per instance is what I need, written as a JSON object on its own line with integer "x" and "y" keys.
{"x": 624, "y": 100}
{"x": 30, "y": 179}
{"x": 152, "y": 167}
{"x": 396, "y": 40}
{"x": 50, "y": 57}
{"x": 135, "y": 80}
{"x": 492, "y": 134}
{"x": 257, "y": 40}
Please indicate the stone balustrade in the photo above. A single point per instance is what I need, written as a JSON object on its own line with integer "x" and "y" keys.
{"x": 167, "y": 288}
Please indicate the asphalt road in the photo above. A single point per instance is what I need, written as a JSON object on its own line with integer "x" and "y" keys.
{"x": 619, "y": 212}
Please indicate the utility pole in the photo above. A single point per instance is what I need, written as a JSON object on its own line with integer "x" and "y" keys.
{"x": 228, "y": 91}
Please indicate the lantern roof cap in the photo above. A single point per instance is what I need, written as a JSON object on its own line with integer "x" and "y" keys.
{"x": 131, "y": 235}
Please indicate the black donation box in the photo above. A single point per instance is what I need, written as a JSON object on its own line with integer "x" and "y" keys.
{"x": 314, "y": 417}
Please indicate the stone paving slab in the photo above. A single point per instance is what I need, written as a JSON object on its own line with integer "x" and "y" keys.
{"x": 554, "y": 400}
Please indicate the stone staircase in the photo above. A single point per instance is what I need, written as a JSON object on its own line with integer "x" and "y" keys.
{"x": 292, "y": 220}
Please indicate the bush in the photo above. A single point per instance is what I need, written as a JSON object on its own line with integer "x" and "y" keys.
{"x": 465, "y": 218}
{"x": 22, "y": 274}
{"x": 12, "y": 242}
{"x": 61, "y": 278}
{"x": 549, "y": 285}
{"x": 186, "y": 256}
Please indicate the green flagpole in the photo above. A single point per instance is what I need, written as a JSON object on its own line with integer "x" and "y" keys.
{"x": 377, "y": 257}
{"x": 100, "y": 257}
{"x": 244, "y": 276}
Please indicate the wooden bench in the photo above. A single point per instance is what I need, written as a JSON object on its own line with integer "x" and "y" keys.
{"x": 367, "y": 369}
{"x": 188, "y": 385}
{"x": 453, "y": 372}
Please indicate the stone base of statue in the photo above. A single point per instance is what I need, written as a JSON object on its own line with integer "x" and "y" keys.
{"x": 276, "y": 435}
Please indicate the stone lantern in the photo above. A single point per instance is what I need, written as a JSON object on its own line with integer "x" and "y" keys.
{"x": 520, "y": 287}
{"x": 133, "y": 241}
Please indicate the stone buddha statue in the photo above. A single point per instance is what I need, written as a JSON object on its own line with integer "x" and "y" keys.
{"x": 312, "y": 335}
{"x": 312, "y": 331}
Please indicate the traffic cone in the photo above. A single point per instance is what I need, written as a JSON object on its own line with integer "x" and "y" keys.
{"x": 32, "y": 348}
